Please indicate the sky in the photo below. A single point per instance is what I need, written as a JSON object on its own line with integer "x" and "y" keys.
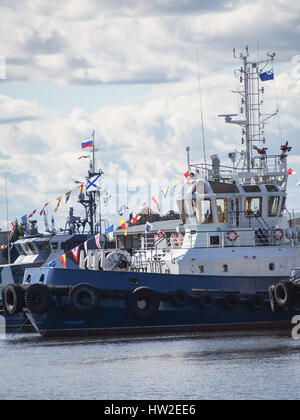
{"x": 130, "y": 71}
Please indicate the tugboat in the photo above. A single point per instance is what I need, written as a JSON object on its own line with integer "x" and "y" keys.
{"x": 237, "y": 243}
{"x": 43, "y": 249}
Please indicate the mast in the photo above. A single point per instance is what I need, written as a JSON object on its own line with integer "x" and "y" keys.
{"x": 251, "y": 117}
{"x": 90, "y": 202}
{"x": 247, "y": 125}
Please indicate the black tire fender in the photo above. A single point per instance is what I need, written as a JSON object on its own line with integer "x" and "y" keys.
{"x": 84, "y": 298}
{"x": 257, "y": 302}
{"x": 232, "y": 301}
{"x": 285, "y": 294}
{"x": 150, "y": 299}
{"x": 38, "y": 298}
{"x": 179, "y": 297}
{"x": 207, "y": 301}
{"x": 13, "y": 299}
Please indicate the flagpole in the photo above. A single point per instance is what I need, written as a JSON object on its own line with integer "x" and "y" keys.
{"x": 93, "y": 135}
{"x": 6, "y": 202}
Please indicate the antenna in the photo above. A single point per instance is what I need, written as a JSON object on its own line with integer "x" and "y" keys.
{"x": 6, "y": 203}
{"x": 201, "y": 109}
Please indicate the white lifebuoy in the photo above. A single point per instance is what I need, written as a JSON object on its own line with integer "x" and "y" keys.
{"x": 278, "y": 234}
{"x": 232, "y": 235}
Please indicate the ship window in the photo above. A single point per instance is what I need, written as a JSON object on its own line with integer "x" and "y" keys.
{"x": 214, "y": 240}
{"x": 251, "y": 188}
{"x": 202, "y": 210}
{"x": 182, "y": 206}
{"x": 253, "y": 205}
{"x": 223, "y": 188}
{"x": 272, "y": 267}
{"x": 54, "y": 245}
{"x": 271, "y": 188}
{"x": 225, "y": 268}
{"x": 283, "y": 206}
{"x": 31, "y": 248}
{"x": 43, "y": 246}
{"x": 201, "y": 268}
{"x": 222, "y": 208}
{"x": 273, "y": 206}
{"x": 25, "y": 249}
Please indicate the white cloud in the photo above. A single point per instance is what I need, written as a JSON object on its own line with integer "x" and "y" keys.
{"x": 100, "y": 42}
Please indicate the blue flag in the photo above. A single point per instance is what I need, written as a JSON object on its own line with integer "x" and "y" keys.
{"x": 148, "y": 227}
{"x": 268, "y": 75}
{"x": 52, "y": 263}
{"x": 122, "y": 210}
{"x": 110, "y": 229}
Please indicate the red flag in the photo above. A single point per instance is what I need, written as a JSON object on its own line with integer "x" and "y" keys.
{"x": 156, "y": 202}
{"x": 43, "y": 209}
{"x": 124, "y": 226}
{"x": 75, "y": 252}
{"x": 80, "y": 190}
{"x": 97, "y": 239}
{"x": 64, "y": 260}
{"x": 31, "y": 214}
{"x": 291, "y": 171}
{"x": 134, "y": 219}
{"x": 187, "y": 175}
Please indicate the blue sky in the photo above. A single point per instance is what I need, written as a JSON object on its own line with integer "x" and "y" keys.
{"x": 129, "y": 72}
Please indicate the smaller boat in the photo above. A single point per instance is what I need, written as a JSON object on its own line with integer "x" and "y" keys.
{"x": 36, "y": 249}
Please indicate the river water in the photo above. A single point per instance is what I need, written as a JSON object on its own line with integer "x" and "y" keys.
{"x": 261, "y": 365}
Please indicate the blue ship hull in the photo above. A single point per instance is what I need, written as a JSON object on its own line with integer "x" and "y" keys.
{"x": 112, "y": 314}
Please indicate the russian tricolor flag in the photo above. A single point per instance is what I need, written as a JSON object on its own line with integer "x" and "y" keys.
{"x": 86, "y": 143}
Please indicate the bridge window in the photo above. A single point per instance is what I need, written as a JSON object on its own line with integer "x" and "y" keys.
{"x": 283, "y": 206}
{"x": 202, "y": 210}
{"x": 222, "y": 208}
{"x": 183, "y": 210}
{"x": 253, "y": 205}
{"x": 273, "y": 206}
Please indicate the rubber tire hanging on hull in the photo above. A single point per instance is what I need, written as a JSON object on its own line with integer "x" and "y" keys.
{"x": 38, "y": 298}
{"x": 232, "y": 301}
{"x": 84, "y": 298}
{"x": 257, "y": 302}
{"x": 150, "y": 298}
{"x": 284, "y": 294}
{"x": 179, "y": 297}
{"x": 207, "y": 301}
{"x": 13, "y": 299}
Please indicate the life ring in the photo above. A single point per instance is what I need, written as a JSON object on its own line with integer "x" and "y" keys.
{"x": 38, "y": 298}
{"x": 13, "y": 299}
{"x": 207, "y": 301}
{"x": 175, "y": 239}
{"x": 278, "y": 234}
{"x": 232, "y": 235}
{"x": 179, "y": 297}
{"x": 232, "y": 301}
{"x": 257, "y": 302}
{"x": 143, "y": 302}
{"x": 84, "y": 298}
{"x": 285, "y": 294}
